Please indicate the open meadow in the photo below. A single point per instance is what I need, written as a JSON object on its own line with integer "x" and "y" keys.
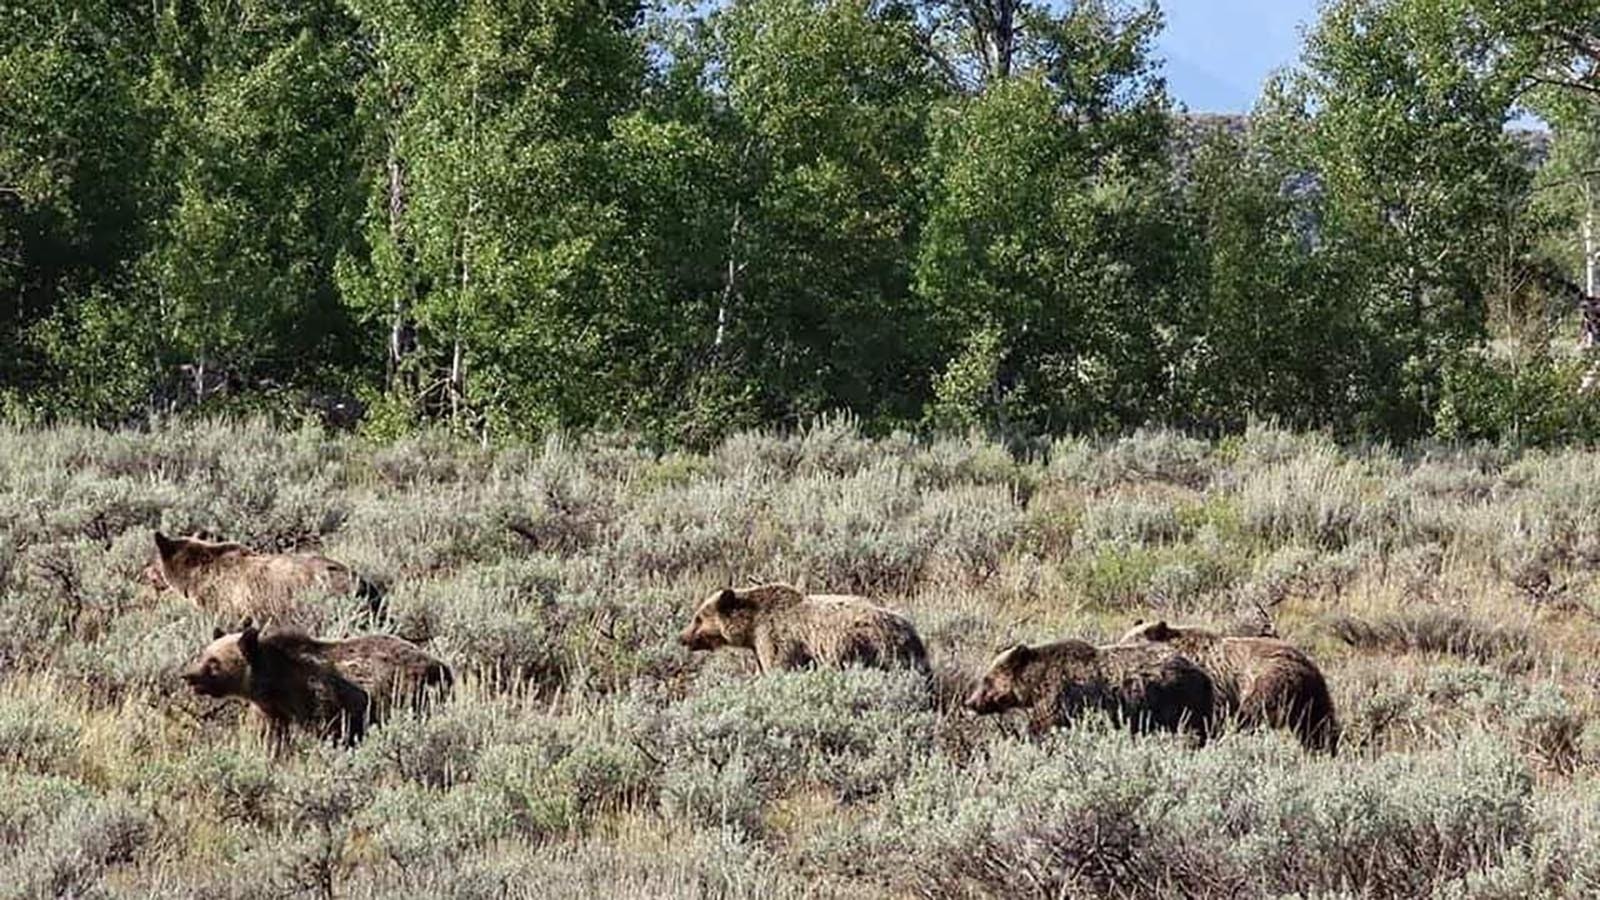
{"x": 1452, "y": 596}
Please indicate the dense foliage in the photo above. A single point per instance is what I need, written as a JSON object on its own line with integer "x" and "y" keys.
{"x": 684, "y": 218}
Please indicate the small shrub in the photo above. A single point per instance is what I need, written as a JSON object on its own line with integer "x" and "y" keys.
{"x": 852, "y": 731}
{"x": 37, "y": 734}
{"x": 1130, "y": 522}
{"x": 73, "y": 854}
{"x": 1439, "y": 631}
{"x": 1313, "y": 500}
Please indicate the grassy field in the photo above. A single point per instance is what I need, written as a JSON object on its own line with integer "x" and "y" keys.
{"x": 1450, "y": 595}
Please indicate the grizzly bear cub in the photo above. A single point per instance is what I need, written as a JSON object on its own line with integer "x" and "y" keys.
{"x": 230, "y": 579}
{"x": 334, "y": 688}
{"x": 1142, "y": 687}
{"x": 1262, "y": 681}
{"x": 791, "y": 630}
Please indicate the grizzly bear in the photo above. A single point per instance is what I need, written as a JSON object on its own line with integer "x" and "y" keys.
{"x": 1142, "y": 687}
{"x": 791, "y": 630}
{"x": 1262, "y": 681}
{"x": 335, "y": 688}
{"x": 231, "y": 580}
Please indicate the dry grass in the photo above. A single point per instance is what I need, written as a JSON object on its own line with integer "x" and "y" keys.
{"x": 1446, "y": 593}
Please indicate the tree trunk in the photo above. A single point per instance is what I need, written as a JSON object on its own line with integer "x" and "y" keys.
{"x": 458, "y": 374}
{"x": 401, "y": 332}
{"x": 1591, "y": 315}
{"x": 458, "y": 368}
{"x": 994, "y": 35}
{"x": 730, "y": 283}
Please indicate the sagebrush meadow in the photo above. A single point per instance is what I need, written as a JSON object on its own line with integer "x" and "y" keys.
{"x": 1448, "y": 594}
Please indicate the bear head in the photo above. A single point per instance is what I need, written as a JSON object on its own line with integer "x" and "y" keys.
{"x": 1158, "y": 632}
{"x": 1004, "y": 686}
{"x": 722, "y": 619}
{"x": 223, "y": 668}
{"x": 178, "y": 559}
{"x": 1020, "y": 673}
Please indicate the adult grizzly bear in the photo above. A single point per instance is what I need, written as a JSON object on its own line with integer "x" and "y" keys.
{"x": 1263, "y": 681}
{"x": 791, "y": 630}
{"x": 230, "y": 579}
{"x": 1144, "y": 687}
{"x": 334, "y": 688}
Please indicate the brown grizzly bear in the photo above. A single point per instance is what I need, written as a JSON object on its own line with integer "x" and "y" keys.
{"x": 1142, "y": 687}
{"x": 791, "y": 630}
{"x": 1260, "y": 680}
{"x": 335, "y": 688}
{"x": 230, "y": 579}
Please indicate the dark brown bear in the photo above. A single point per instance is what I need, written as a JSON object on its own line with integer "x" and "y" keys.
{"x": 333, "y": 688}
{"x": 1142, "y": 687}
{"x": 231, "y": 580}
{"x": 791, "y": 630}
{"x": 1262, "y": 681}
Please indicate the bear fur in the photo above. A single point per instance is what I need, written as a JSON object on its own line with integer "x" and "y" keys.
{"x": 231, "y": 580}
{"x": 1262, "y": 681}
{"x": 790, "y": 630}
{"x": 333, "y": 688}
{"x": 1143, "y": 687}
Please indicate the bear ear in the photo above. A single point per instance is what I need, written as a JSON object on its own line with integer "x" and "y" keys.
{"x": 250, "y": 641}
{"x": 216, "y": 633}
{"x": 728, "y": 601}
{"x": 1137, "y": 622}
{"x": 167, "y": 546}
{"x": 1018, "y": 653}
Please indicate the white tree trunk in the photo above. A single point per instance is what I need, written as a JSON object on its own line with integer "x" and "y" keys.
{"x": 400, "y": 311}
{"x": 1588, "y": 240}
{"x": 1588, "y": 337}
{"x": 730, "y": 283}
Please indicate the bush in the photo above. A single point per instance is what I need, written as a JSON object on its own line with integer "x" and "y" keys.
{"x": 1095, "y": 813}
{"x": 70, "y": 856}
{"x": 1315, "y": 500}
{"x": 855, "y": 534}
{"x": 1439, "y": 631}
{"x": 735, "y": 744}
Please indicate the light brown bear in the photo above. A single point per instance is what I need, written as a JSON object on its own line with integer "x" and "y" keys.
{"x": 790, "y": 630}
{"x": 1143, "y": 688}
{"x": 230, "y": 579}
{"x": 1262, "y": 681}
{"x": 333, "y": 688}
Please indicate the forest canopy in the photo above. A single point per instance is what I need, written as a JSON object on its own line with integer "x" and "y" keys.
{"x": 681, "y": 219}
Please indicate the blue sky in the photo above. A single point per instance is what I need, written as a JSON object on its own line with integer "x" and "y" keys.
{"x": 1218, "y": 52}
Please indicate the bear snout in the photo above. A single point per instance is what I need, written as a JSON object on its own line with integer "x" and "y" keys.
{"x": 198, "y": 682}
{"x": 978, "y": 702}
{"x": 700, "y": 638}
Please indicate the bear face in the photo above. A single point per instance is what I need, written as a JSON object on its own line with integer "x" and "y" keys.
{"x": 223, "y": 668}
{"x": 1020, "y": 672}
{"x": 178, "y": 559}
{"x": 1000, "y": 688}
{"x": 1013, "y": 678}
{"x": 719, "y": 621}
